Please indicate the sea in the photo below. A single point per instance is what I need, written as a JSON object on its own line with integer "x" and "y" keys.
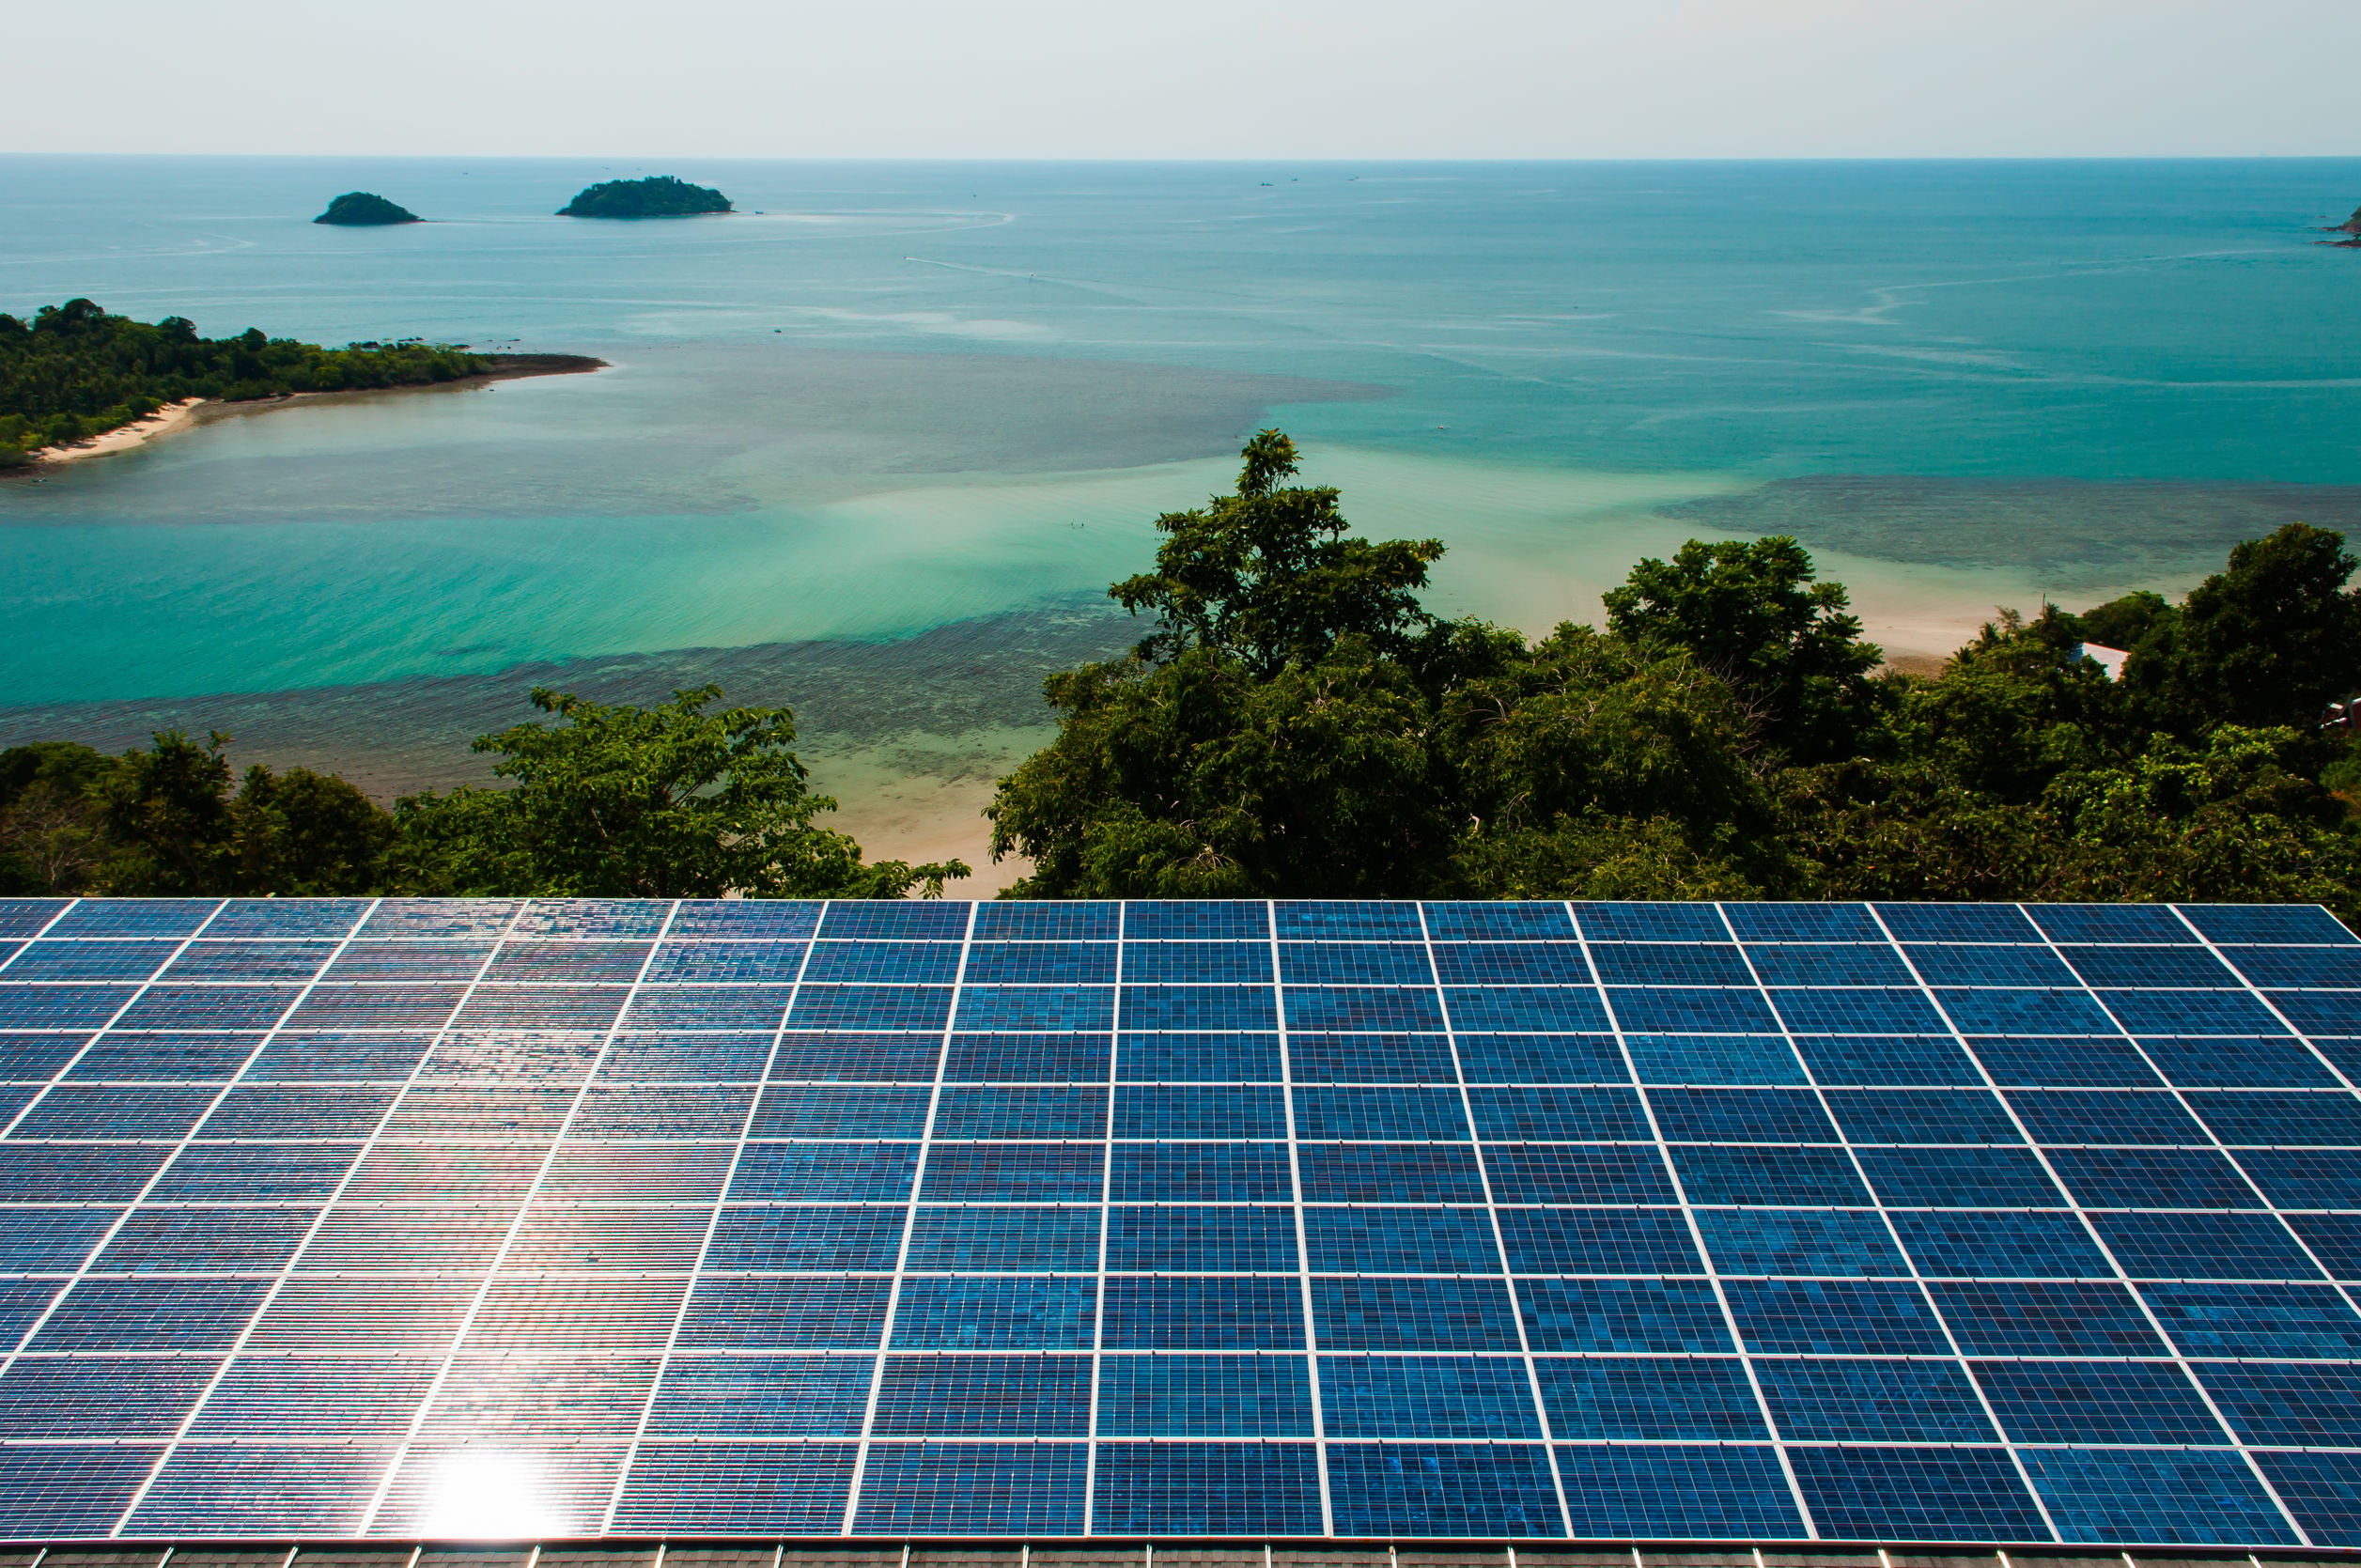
{"x": 873, "y": 446}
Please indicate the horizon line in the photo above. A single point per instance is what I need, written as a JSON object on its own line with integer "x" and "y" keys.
{"x": 1259, "y": 159}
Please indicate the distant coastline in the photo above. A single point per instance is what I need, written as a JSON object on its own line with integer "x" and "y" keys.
{"x": 184, "y": 414}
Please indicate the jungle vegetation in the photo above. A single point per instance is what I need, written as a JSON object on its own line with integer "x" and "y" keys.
{"x": 619, "y": 802}
{"x": 658, "y": 197}
{"x": 1297, "y": 724}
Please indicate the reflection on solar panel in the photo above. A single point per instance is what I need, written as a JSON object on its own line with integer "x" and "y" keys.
{"x": 1751, "y": 1222}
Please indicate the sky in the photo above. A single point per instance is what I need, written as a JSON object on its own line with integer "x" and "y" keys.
{"x": 1185, "y": 78}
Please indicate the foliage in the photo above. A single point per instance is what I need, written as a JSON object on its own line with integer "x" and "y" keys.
{"x": 628, "y": 802}
{"x": 2269, "y": 640}
{"x": 1591, "y": 765}
{"x": 1298, "y": 725}
{"x": 2123, "y": 623}
{"x": 50, "y": 837}
{"x": 611, "y": 800}
{"x": 1783, "y": 642}
{"x": 75, "y": 371}
{"x": 1267, "y": 576}
{"x": 658, "y": 197}
{"x": 364, "y": 208}
{"x": 166, "y": 822}
{"x": 1196, "y": 780}
{"x": 306, "y": 835}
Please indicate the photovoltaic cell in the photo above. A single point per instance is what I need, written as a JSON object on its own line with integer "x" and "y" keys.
{"x": 1751, "y": 1224}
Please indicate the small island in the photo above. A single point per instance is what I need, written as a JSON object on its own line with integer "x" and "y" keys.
{"x": 364, "y": 208}
{"x": 657, "y": 196}
{"x": 74, "y": 379}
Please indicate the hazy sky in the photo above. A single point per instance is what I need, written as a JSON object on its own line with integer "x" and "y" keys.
{"x": 1191, "y": 78}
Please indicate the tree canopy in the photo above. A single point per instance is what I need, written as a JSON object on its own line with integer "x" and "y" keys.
{"x": 364, "y": 210}
{"x": 2271, "y": 638}
{"x": 662, "y": 803}
{"x": 606, "y": 800}
{"x": 1756, "y": 616}
{"x": 1298, "y": 724}
{"x": 660, "y": 195}
{"x": 75, "y": 371}
{"x": 1269, "y": 575}
{"x": 166, "y": 822}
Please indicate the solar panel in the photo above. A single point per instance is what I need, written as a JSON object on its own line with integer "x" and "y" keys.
{"x": 1754, "y": 1222}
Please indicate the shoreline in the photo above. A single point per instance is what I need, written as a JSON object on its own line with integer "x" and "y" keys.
{"x": 189, "y": 411}
{"x": 139, "y": 432}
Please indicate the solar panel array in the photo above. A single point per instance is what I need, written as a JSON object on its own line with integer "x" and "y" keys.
{"x": 1753, "y": 1222}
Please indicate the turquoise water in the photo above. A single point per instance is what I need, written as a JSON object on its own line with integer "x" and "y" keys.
{"x": 910, "y": 395}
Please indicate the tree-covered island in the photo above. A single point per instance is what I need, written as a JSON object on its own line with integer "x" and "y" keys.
{"x": 74, "y": 372}
{"x": 366, "y": 209}
{"x": 657, "y": 196}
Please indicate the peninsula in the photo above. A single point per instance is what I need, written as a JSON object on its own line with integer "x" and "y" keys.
{"x": 657, "y": 196}
{"x": 364, "y": 210}
{"x": 74, "y": 374}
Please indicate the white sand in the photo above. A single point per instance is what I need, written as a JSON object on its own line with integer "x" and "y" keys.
{"x": 922, "y": 798}
{"x": 172, "y": 416}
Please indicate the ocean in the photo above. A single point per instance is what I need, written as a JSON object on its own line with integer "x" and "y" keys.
{"x": 875, "y": 446}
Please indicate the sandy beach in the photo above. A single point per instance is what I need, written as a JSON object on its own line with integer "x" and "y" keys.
{"x": 180, "y": 416}
{"x": 171, "y": 417}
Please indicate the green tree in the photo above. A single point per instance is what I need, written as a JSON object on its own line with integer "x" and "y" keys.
{"x": 1598, "y": 857}
{"x": 1269, "y": 575}
{"x": 2269, "y": 640}
{"x": 1591, "y": 767}
{"x": 631, "y": 802}
{"x": 301, "y": 834}
{"x": 2014, "y": 708}
{"x": 1298, "y": 725}
{"x": 2235, "y": 820}
{"x": 170, "y": 826}
{"x": 1193, "y": 779}
{"x": 2126, "y": 622}
{"x": 75, "y": 371}
{"x": 166, "y": 812}
{"x": 662, "y": 196}
{"x": 1755, "y": 614}
{"x": 51, "y": 839}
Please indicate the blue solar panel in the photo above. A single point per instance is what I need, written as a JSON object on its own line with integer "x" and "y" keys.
{"x": 1204, "y": 1396}
{"x": 1520, "y": 1221}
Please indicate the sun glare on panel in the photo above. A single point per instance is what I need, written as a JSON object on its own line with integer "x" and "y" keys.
{"x": 485, "y": 1495}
